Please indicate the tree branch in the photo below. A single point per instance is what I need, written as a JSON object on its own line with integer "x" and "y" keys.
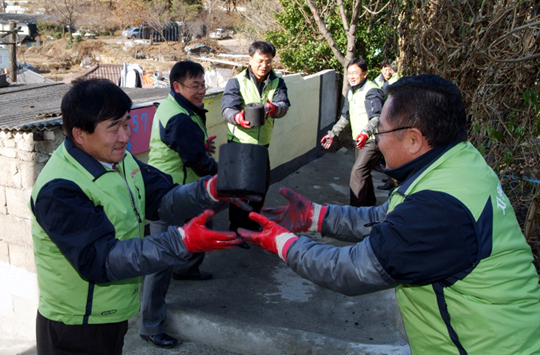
{"x": 325, "y": 33}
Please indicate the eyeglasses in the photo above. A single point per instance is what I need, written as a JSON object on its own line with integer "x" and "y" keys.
{"x": 194, "y": 88}
{"x": 377, "y": 134}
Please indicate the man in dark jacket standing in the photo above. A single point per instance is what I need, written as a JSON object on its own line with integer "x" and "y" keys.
{"x": 257, "y": 84}
{"x": 447, "y": 239}
{"x": 178, "y": 147}
{"x": 90, "y": 203}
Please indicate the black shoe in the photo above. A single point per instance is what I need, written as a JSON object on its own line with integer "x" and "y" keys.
{"x": 386, "y": 186}
{"x": 162, "y": 340}
{"x": 194, "y": 276}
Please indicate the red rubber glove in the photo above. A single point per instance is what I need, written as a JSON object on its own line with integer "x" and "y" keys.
{"x": 239, "y": 118}
{"x": 361, "y": 140}
{"x": 210, "y": 145}
{"x": 300, "y": 215}
{"x": 211, "y": 188}
{"x": 270, "y": 108}
{"x": 197, "y": 238}
{"x": 273, "y": 237}
{"x": 327, "y": 141}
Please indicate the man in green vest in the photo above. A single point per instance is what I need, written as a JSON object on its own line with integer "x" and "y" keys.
{"x": 447, "y": 239}
{"x": 178, "y": 147}
{"x": 388, "y": 75}
{"x": 90, "y": 203}
{"x": 259, "y": 83}
{"x": 362, "y": 108}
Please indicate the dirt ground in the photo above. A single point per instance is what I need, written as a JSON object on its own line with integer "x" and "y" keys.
{"x": 56, "y": 59}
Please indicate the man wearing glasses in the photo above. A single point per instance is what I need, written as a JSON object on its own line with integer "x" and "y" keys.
{"x": 362, "y": 109}
{"x": 180, "y": 147}
{"x": 259, "y": 83}
{"x": 447, "y": 239}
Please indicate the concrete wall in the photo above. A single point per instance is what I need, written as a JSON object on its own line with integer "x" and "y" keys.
{"x": 22, "y": 156}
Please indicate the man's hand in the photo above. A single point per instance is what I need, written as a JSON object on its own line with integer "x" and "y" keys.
{"x": 273, "y": 237}
{"x": 239, "y": 118}
{"x": 327, "y": 141}
{"x": 210, "y": 145}
{"x": 300, "y": 215}
{"x": 361, "y": 140}
{"x": 270, "y": 108}
{"x": 211, "y": 188}
{"x": 197, "y": 238}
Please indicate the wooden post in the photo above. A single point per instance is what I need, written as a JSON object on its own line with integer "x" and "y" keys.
{"x": 13, "y": 53}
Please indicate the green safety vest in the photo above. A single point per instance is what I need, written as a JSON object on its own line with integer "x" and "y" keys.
{"x": 496, "y": 308}
{"x": 160, "y": 155}
{"x": 65, "y": 296}
{"x": 380, "y": 81}
{"x": 357, "y": 108}
{"x": 256, "y": 135}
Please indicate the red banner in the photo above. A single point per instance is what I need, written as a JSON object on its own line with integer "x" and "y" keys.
{"x": 141, "y": 126}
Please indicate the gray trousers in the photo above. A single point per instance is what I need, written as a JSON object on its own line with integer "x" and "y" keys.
{"x": 361, "y": 184}
{"x": 155, "y": 287}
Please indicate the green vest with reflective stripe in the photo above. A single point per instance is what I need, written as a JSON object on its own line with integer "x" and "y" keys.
{"x": 380, "y": 80}
{"x": 357, "y": 108}
{"x": 64, "y": 295}
{"x": 256, "y": 135}
{"x": 495, "y": 309}
{"x": 393, "y": 78}
{"x": 163, "y": 157}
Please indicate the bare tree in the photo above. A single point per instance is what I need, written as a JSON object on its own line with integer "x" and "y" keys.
{"x": 371, "y": 10}
{"x": 130, "y": 12}
{"x": 259, "y": 18}
{"x": 97, "y": 16}
{"x": 159, "y": 16}
{"x": 67, "y": 12}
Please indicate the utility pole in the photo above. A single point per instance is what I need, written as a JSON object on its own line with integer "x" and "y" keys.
{"x": 13, "y": 53}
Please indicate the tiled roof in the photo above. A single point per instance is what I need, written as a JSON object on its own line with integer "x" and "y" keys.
{"x": 21, "y": 18}
{"x": 99, "y": 71}
{"x": 36, "y": 107}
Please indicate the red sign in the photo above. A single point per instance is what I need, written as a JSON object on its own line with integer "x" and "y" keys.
{"x": 141, "y": 126}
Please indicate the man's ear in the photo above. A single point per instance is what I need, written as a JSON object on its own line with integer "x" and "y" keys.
{"x": 78, "y": 135}
{"x": 176, "y": 87}
{"x": 417, "y": 142}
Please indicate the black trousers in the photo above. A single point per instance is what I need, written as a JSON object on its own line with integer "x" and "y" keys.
{"x": 239, "y": 218}
{"x": 57, "y": 338}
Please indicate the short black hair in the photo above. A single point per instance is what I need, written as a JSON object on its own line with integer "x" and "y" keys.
{"x": 90, "y": 102}
{"x": 386, "y": 63}
{"x": 262, "y": 47}
{"x": 430, "y": 103}
{"x": 183, "y": 70}
{"x": 358, "y": 61}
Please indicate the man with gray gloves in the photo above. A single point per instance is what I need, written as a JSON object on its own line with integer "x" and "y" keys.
{"x": 447, "y": 239}
{"x": 90, "y": 203}
{"x": 362, "y": 108}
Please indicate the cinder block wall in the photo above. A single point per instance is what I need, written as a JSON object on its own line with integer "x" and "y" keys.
{"x": 23, "y": 155}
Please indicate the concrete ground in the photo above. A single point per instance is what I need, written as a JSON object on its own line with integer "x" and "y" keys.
{"x": 256, "y": 305}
